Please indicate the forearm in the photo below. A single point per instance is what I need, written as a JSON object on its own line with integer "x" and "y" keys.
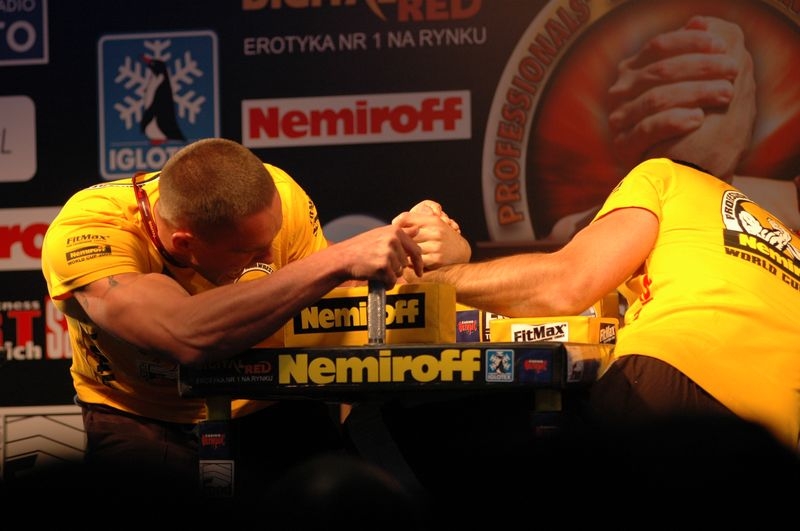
{"x": 513, "y": 286}
{"x": 565, "y": 282}
{"x": 225, "y": 321}
{"x": 244, "y": 314}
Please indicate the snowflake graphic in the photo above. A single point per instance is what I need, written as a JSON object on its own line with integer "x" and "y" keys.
{"x": 157, "y": 91}
{"x": 134, "y": 76}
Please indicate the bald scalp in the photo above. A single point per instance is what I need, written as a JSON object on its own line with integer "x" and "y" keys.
{"x": 212, "y": 183}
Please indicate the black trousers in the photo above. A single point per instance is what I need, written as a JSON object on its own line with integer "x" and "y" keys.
{"x": 642, "y": 388}
{"x": 453, "y": 455}
{"x": 134, "y": 457}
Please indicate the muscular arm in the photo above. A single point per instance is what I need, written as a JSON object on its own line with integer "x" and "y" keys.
{"x": 566, "y": 282}
{"x": 154, "y": 313}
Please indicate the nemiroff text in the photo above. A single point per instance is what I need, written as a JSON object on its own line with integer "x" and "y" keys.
{"x": 451, "y": 365}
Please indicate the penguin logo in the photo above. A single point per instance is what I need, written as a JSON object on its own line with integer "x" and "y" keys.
{"x": 159, "y": 123}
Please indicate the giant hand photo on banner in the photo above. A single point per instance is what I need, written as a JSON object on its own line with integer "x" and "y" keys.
{"x": 592, "y": 88}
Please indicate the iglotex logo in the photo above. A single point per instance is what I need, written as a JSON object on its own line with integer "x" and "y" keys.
{"x": 499, "y": 365}
{"x": 158, "y": 92}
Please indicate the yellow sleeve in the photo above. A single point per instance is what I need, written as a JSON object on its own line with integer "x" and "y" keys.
{"x": 93, "y": 238}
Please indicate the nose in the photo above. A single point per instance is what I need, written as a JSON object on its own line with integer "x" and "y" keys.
{"x": 265, "y": 256}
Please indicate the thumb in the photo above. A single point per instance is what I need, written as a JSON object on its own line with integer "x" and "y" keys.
{"x": 427, "y": 207}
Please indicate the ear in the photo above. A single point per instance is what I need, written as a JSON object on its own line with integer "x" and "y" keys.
{"x": 183, "y": 242}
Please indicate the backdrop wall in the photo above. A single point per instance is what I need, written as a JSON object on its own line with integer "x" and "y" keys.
{"x": 495, "y": 108}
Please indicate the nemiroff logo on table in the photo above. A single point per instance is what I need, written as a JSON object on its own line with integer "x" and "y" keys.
{"x": 449, "y": 365}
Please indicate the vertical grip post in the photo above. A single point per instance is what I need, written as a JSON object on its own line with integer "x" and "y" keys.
{"x": 376, "y": 312}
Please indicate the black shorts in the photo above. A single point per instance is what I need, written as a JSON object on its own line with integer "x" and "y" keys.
{"x": 639, "y": 388}
{"x": 674, "y": 443}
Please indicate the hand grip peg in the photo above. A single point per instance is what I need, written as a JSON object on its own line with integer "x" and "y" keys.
{"x": 376, "y": 312}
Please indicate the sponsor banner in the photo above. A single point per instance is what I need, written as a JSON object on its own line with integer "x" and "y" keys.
{"x": 392, "y": 370}
{"x": 17, "y": 139}
{"x": 550, "y": 156}
{"x": 571, "y": 328}
{"x": 34, "y": 439}
{"x": 17, "y": 330}
{"x": 35, "y": 350}
{"x": 157, "y": 92}
{"x": 23, "y": 32}
{"x": 21, "y": 235}
{"x": 21, "y": 321}
{"x": 397, "y": 11}
{"x": 357, "y": 119}
{"x": 413, "y": 313}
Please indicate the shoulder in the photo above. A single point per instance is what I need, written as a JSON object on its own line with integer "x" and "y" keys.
{"x": 108, "y": 201}
{"x": 656, "y": 166}
{"x": 109, "y": 190}
{"x": 665, "y": 168}
{"x": 299, "y": 209}
{"x": 291, "y": 192}
{"x": 280, "y": 176}
{"x": 665, "y": 174}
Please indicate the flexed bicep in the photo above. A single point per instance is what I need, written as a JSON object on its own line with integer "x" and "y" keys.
{"x": 137, "y": 308}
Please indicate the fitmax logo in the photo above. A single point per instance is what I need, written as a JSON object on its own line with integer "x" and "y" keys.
{"x": 544, "y": 332}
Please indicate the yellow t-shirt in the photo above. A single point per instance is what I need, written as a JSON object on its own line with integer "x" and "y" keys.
{"x": 99, "y": 232}
{"x": 719, "y": 297}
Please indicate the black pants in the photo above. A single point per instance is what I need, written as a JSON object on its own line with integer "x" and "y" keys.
{"x": 454, "y": 454}
{"x": 132, "y": 457}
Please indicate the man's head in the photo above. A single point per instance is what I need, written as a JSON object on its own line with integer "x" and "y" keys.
{"x": 212, "y": 183}
{"x": 220, "y": 208}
